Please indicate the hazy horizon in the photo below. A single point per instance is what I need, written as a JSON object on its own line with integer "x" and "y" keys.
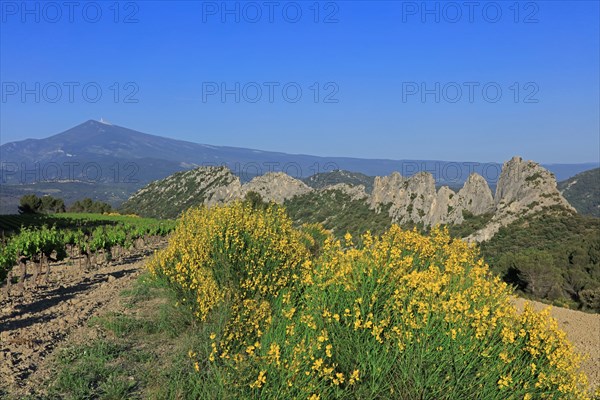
{"x": 378, "y": 80}
{"x": 293, "y": 153}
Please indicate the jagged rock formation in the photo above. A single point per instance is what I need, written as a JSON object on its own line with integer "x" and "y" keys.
{"x": 225, "y": 193}
{"x": 523, "y": 182}
{"x": 276, "y": 187}
{"x": 443, "y": 208}
{"x": 385, "y": 189}
{"x": 410, "y": 198}
{"x": 524, "y": 188}
{"x": 475, "y": 196}
{"x": 415, "y": 199}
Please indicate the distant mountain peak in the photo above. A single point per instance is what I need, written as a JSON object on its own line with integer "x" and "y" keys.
{"x": 103, "y": 121}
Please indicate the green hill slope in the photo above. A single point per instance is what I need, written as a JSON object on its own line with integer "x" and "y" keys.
{"x": 338, "y": 212}
{"x": 553, "y": 257}
{"x": 583, "y": 192}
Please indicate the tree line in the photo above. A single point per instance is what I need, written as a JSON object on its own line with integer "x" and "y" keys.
{"x": 32, "y": 204}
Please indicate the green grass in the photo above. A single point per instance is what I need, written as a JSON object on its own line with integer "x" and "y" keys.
{"x": 123, "y": 325}
{"x": 93, "y": 371}
{"x": 140, "y": 354}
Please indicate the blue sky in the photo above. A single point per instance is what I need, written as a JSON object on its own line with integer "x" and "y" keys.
{"x": 377, "y": 79}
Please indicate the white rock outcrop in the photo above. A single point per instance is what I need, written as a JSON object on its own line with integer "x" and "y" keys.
{"x": 524, "y": 188}
{"x": 276, "y": 187}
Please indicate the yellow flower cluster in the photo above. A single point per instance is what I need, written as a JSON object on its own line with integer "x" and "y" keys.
{"x": 231, "y": 252}
{"x": 402, "y": 315}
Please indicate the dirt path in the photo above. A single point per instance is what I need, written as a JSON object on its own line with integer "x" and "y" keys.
{"x": 33, "y": 325}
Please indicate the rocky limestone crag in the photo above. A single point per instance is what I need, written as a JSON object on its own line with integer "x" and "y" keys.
{"x": 524, "y": 188}
{"x": 355, "y": 192}
{"x": 448, "y": 207}
{"x": 225, "y": 193}
{"x": 385, "y": 189}
{"x": 276, "y": 187}
{"x": 475, "y": 196}
{"x": 415, "y": 199}
{"x": 273, "y": 186}
{"x": 410, "y": 198}
{"x": 443, "y": 208}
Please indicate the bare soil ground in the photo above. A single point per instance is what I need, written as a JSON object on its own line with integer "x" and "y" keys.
{"x": 32, "y": 325}
{"x": 35, "y": 325}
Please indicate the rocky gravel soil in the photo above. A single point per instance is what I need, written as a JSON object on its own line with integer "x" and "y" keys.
{"x": 32, "y": 325}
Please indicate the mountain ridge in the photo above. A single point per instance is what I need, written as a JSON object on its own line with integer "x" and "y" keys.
{"x": 131, "y": 159}
{"x": 525, "y": 188}
{"x": 583, "y": 191}
{"x": 160, "y": 147}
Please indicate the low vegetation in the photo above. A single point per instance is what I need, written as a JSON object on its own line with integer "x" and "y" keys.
{"x": 338, "y": 212}
{"x": 551, "y": 256}
{"x": 471, "y": 224}
{"x": 296, "y": 313}
{"x": 325, "y": 179}
{"x": 89, "y": 235}
{"x": 121, "y": 363}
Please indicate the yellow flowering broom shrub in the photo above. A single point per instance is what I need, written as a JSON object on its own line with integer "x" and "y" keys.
{"x": 236, "y": 256}
{"x": 401, "y": 316}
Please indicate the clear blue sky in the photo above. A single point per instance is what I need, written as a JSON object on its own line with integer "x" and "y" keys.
{"x": 376, "y": 56}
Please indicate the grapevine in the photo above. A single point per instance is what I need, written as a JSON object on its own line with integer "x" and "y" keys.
{"x": 39, "y": 246}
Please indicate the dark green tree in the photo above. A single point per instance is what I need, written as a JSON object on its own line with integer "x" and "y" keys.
{"x": 30, "y": 204}
{"x": 255, "y": 200}
{"x": 536, "y": 269}
{"x": 87, "y": 205}
{"x": 52, "y": 204}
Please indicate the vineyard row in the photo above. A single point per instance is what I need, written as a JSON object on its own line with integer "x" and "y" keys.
{"x": 41, "y": 245}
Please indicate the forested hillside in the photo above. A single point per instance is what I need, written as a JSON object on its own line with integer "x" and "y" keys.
{"x": 583, "y": 192}
{"x": 554, "y": 256}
